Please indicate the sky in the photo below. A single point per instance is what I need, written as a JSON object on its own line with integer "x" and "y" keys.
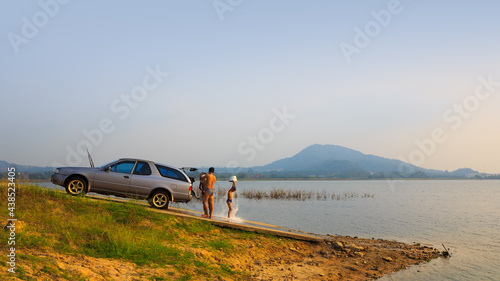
{"x": 244, "y": 83}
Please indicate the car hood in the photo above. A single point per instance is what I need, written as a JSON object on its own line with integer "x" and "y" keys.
{"x": 73, "y": 169}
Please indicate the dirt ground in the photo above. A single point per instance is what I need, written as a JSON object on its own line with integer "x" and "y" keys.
{"x": 338, "y": 258}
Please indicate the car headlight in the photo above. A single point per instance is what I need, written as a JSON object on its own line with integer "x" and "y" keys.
{"x": 56, "y": 171}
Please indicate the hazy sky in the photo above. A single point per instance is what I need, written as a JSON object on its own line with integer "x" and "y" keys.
{"x": 236, "y": 82}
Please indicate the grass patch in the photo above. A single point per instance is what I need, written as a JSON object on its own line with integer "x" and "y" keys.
{"x": 221, "y": 245}
{"x": 193, "y": 227}
{"x": 55, "y": 221}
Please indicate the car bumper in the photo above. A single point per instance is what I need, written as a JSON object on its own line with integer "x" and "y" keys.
{"x": 58, "y": 179}
{"x": 182, "y": 197}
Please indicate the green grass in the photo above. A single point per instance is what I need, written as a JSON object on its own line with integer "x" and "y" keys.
{"x": 221, "y": 245}
{"x": 71, "y": 225}
{"x": 193, "y": 227}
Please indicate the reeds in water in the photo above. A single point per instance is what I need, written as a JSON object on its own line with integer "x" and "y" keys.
{"x": 220, "y": 193}
{"x": 301, "y": 195}
{"x": 289, "y": 194}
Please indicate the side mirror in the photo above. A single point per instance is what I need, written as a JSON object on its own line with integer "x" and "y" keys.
{"x": 106, "y": 169}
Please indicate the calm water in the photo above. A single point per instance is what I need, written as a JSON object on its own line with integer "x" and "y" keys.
{"x": 464, "y": 215}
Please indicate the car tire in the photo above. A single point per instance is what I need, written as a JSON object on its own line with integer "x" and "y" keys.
{"x": 76, "y": 186}
{"x": 159, "y": 200}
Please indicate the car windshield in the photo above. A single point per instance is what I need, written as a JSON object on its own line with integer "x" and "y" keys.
{"x": 124, "y": 167}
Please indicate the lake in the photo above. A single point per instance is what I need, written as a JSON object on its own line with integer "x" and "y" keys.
{"x": 464, "y": 215}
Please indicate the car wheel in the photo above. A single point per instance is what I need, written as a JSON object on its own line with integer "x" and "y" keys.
{"x": 76, "y": 186}
{"x": 159, "y": 200}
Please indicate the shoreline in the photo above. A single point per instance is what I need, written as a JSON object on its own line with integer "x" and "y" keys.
{"x": 194, "y": 248}
{"x": 319, "y": 257}
{"x": 259, "y": 258}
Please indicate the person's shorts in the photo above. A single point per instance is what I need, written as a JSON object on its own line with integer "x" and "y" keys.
{"x": 209, "y": 192}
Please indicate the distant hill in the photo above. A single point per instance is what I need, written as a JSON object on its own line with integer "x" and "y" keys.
{"x": 324, "y": 157}
{"x": 4, "y": 165}
{"x": 27, "y": 171}
{"x": 341, "y": 162}
{"x": 317, "y": 161}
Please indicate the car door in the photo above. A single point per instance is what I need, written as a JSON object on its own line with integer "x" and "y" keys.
{"x": 142, "y": 181}
{"x": 114, "y": 179}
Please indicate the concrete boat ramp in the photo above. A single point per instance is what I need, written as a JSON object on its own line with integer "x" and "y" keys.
{"x": 248, "y": 226}
{"x": 226, "y": 222}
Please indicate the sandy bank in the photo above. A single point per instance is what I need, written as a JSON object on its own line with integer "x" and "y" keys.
{"x": 259, "y": 258}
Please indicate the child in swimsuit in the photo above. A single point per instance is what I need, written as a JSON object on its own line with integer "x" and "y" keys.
{"x": 230, "y": 199}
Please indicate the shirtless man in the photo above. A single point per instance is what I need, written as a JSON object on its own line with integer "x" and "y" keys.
{"x": 208, "y": 194}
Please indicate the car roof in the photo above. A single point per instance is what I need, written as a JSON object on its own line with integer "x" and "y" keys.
{"x": 144, "y": 160}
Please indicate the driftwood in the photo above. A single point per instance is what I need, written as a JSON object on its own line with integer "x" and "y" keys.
{"x": 446, "y": 252}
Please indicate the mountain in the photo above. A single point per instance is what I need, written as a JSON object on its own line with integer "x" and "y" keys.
{"x": 26, "y": 171}
{"x": 342, "y": 162}
{"x": 320, "y": 161}
{"x": 4, "y": 165}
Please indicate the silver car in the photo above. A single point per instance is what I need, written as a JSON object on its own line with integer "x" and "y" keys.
{"x": 128, "y": 177}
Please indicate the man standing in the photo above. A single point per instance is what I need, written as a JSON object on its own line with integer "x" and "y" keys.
{"x": 208, "y": 193}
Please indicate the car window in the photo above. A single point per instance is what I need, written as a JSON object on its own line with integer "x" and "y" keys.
{"x": 142, "y": 168}
{"x": 123, "y": 167}
{"x": 171, "y": 173}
